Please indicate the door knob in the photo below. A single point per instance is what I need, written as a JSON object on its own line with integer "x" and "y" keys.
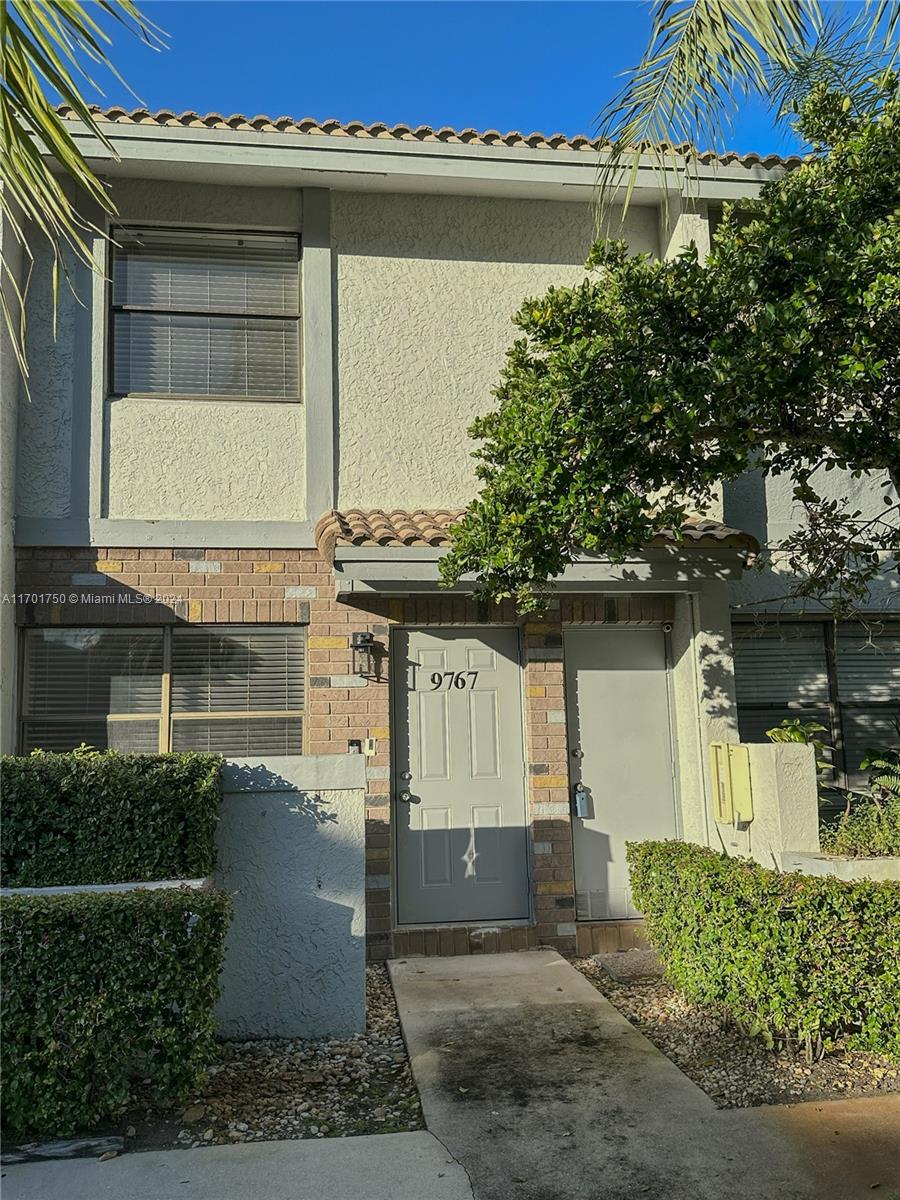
{"x": 406, "y": 797}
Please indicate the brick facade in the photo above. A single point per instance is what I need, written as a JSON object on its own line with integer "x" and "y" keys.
{"x": 85, "y": 586}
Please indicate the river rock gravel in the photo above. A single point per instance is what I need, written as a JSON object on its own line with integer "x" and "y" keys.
{"x": 273, "y": 1089}
{"x": 735, "y": 1070}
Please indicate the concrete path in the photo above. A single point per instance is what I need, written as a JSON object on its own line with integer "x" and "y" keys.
{"x": 390, "y": 1166}
{"x": 543, "y": 1091}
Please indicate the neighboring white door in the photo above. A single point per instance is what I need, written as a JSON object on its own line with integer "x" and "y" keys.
{"x": 620, "y": 741}
{"x": 459, "y": 785}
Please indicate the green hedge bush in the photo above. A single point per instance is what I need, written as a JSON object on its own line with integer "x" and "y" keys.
{"x": 801, "y": 960}
{"x": 102, "y": 817}
{"x": 100, "y": 992}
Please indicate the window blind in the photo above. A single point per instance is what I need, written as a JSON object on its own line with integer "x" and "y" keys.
{"x": 81, "y": 685}
{"x": 205, "y": 314}
{"x": 236, "y": 690}
{"x": 229, "y": 671}
{"x": 784, "y": 672}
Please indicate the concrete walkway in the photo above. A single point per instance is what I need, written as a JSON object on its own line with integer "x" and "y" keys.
{"x": 543, "y": 1091}
{"x": 390, "y": 1166}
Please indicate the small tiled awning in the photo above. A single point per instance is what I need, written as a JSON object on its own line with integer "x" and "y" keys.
{"x": 430, "y": 528}
{"x": 398, "y": 553}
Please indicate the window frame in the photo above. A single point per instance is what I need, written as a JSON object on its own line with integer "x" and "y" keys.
{"x": 834, "y": 705}
{"x": 198, "y": 231}
{"x": 165, "y": 716}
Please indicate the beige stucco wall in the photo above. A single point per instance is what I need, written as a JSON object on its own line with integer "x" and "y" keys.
{"x": 426, "y": 289}
{"x": 179, "y": 460}
{"x": 199, "y": 460}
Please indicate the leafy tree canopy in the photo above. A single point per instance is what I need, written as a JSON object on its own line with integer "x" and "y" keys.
{"x": 631, "y": 396}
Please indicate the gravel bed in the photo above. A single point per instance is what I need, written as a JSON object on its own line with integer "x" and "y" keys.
{"x": 277, "y": 1088}
{"x": 737, "y": 1071}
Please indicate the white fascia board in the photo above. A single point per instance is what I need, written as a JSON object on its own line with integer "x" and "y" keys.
{"x": 350, "y": 163}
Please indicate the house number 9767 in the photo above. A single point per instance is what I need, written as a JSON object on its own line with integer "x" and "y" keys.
{"x": 453, "y": 679}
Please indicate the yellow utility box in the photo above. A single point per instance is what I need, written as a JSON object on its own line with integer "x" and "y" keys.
{"x": 732, "y": 793}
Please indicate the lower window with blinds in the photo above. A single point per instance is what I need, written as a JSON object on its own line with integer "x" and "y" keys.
{"x": 227, "y": 689}
{"x": 844, "y": 676}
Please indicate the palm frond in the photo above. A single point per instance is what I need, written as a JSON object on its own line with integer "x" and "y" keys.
{"x": 47, "y": 47}
{"x": 702, "y": 56}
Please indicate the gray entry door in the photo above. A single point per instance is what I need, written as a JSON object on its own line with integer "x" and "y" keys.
{"x": 459, "y": 787}
{"x": 620, "y": 740}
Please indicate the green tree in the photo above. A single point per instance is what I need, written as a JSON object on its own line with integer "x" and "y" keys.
{"x": 630, "y": 396}
{"x": 47, "y": 48}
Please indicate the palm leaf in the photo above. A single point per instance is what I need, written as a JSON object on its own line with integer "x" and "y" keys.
{"x": 702, "y": 56}
{"x": 46, "y": 48}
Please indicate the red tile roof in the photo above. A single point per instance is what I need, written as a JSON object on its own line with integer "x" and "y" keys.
{"x": 431, "y": 526}
{"x": 397, "y": 133}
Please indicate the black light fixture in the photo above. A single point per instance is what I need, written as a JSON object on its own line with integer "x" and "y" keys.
{"x": 362, "y": 645}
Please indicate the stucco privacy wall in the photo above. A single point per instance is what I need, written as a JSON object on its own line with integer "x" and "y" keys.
{"x": 426, "y": 288}
{"x": 291, "y": 843}
{"x": 189, "y": 460}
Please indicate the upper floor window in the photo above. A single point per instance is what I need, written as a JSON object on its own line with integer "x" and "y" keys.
{"x": 226, "y": 689}
{"x": 844, "y": 678}
{"x": 205, "y": 314}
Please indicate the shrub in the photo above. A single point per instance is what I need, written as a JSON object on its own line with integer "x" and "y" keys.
{"x": 102, "y": 991}
{"x": 796, "y": 958}
{"x": 868, "y": 828}
{"x": 103, "y": 817}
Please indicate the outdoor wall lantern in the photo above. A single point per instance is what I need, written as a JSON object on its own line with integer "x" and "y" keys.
{"x": 362, "y": 646}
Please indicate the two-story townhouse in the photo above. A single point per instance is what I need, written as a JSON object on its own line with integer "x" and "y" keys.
{"x": 235, "y": 470}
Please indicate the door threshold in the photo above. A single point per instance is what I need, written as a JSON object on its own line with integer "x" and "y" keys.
{"x": 498, "y": 937}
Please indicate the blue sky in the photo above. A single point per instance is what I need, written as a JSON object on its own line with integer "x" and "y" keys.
{"x": 545, "y": 66}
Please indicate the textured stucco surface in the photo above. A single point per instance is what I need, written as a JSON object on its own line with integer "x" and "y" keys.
{"x": 765, "y": 507}
{"x": 197, "y": 459}
{"x": 881, "y": 869}
{"x": 9, "y": 389}
{"x": 292, "y": 854}
{"x": 427, "y": 286}
{"x": 46, "y": 411}
{"x": 206, "y": 205}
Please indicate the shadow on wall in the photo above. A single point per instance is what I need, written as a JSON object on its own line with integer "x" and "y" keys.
{"x": 294, "y": 862}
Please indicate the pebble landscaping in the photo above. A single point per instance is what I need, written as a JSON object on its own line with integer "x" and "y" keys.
{"x": 275, "y": 1089}
{"x": 737, "y": 1071}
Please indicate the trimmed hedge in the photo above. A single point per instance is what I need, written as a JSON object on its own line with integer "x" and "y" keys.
{"x": 103, "y": 817}
{"x": 798, "y": 959}
{"x": 102, "y": 992}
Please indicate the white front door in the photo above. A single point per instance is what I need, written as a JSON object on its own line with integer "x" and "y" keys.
{"x": 620, "y": 740}
{"x": 459, "y": 785}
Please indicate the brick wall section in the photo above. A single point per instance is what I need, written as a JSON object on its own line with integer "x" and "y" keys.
{"x": 88, "y": 586}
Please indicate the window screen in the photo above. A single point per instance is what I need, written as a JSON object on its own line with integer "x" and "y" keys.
{"x": 235, "y": 690}
{"x": 784, "y": 671}
{"x": 208, "y": 314}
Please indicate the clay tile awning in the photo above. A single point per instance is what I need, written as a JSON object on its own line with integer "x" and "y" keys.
{"x": 376, "y": 527}
{"x": 373, "y": 549}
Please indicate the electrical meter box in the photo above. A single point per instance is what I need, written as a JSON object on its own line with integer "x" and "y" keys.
{"x": 731, "y": 791}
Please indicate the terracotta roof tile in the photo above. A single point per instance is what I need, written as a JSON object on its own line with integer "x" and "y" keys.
{"x": 401, "y": 133}
{"x": 430, "y": 527}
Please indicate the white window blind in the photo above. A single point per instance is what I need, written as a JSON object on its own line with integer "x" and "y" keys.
{"x": 234, "y": 690}
{"x": 205, "y": 314}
